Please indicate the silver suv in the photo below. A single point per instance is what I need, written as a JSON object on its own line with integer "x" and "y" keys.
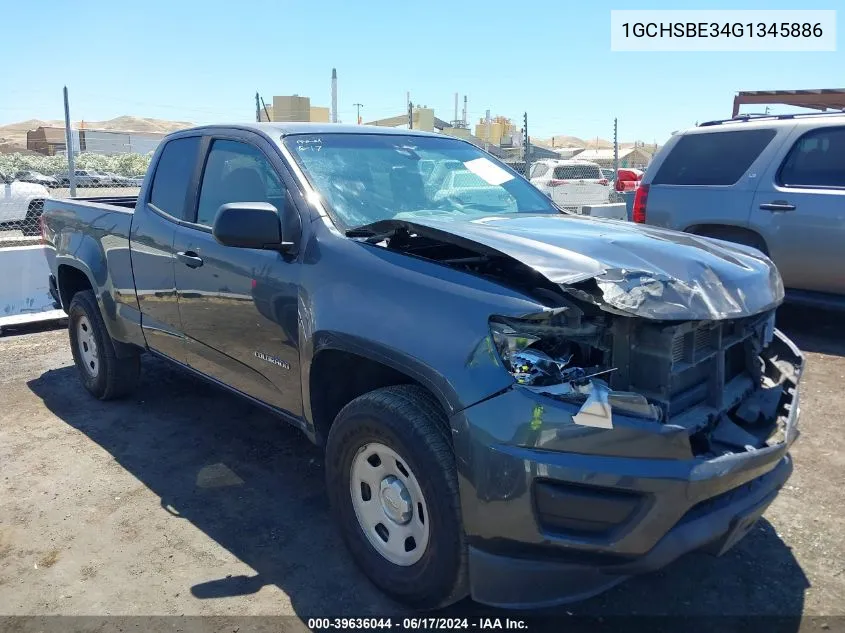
{"x": 776, "y": 183}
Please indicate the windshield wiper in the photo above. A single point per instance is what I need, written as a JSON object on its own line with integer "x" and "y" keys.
{"x": 372, "y": 236}
{"x": 360, "y": 231}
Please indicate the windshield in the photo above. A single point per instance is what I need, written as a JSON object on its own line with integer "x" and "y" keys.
{"x": 365, "y": 178}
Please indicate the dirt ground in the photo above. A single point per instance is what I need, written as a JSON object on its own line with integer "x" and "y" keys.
{"x": 186, "y": 500}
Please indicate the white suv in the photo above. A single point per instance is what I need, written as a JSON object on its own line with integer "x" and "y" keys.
{"x": 21, "y": 204}
{"x": 571, "y": 183}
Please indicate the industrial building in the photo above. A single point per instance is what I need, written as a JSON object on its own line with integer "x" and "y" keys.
{"x": 51, "y": 141}
{"x": 294, "y": 108}
{"x": 498, "y": 135}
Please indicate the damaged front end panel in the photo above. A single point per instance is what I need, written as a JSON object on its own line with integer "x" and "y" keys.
{"x": 623, "y": 268}
{"x": 662, "y": 327}
{"x": 729, "y": 384}
{"x": 569, "y": 358}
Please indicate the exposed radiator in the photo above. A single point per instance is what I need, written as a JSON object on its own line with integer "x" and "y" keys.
{"x": 681, "y": 366}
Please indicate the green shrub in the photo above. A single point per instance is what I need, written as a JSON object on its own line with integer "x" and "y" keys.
{"x": 122, "y": 164}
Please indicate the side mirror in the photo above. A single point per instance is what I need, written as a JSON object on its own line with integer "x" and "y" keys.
{"x": 250, "y": 225}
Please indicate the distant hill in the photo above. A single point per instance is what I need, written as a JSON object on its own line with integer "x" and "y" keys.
{"x": 563, "y": 140}
{"x": 138, "y": 124}
{"x": 13, "y": 135}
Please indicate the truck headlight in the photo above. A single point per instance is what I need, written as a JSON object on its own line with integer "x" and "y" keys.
{"x": 569, "y": 361}
{"x": 535, "y": 354}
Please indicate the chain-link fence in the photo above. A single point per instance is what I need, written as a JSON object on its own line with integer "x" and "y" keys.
{"x": 28, "y": 179}
{"x": 572, "y": 181}
{"x": 578, "y": 173}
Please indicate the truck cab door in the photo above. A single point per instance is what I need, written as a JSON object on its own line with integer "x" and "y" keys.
{"x": 799, "y": 209}
{"x": 164, "y": 204}
{"x": 239, "y": 306}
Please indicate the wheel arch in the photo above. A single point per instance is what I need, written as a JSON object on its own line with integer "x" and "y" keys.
{"x": 342, "y": 369}
{"x": 70, "y": 280}
{"x": 731, "y": 233}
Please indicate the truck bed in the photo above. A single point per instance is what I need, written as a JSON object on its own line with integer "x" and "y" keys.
{"x": 110, "y": 214}
{"x": 92, "y": 235}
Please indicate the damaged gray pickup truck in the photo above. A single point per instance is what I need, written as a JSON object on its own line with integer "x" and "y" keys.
{"x": 517, "y": 404}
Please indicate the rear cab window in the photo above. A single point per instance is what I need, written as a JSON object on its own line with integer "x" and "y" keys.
{"x": 713, "y": 158}
{"x": 173, "y": 175}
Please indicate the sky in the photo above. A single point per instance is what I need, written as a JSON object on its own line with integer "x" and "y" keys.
{"x": 204, "y": 61}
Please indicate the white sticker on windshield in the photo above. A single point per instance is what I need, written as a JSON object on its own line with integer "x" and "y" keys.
{"x": 488, "y": 170}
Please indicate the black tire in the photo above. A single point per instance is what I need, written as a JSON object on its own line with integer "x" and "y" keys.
{"x": 30, "y": 225}
{"x": 115, "y": 377}
{"x": 409, "y": 420}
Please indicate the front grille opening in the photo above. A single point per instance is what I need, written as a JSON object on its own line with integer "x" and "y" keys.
{"x": 701, "y": 340}
{"x": 678, "y": 349}
{"x": 682, "y": 366}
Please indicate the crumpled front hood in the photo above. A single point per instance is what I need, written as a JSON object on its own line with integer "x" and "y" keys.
{"x": 640, "y": 270}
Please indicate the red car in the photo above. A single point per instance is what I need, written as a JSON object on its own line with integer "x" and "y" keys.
{"x": 628, "y": 179}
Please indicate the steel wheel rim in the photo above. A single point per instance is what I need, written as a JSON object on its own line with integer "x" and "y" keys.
{"x": 87, "y": 346}
{"x": 389, "y": 504}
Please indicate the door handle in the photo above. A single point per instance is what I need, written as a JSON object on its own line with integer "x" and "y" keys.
{"x": 190, "y": 259}
{"x": 777, "y": 205}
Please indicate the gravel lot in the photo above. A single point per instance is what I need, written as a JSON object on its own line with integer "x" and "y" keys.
{"x": 186, "y": 500}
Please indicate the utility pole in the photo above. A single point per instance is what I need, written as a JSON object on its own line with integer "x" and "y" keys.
{"x": 359, "y": 106}
{"x": 71, "y": 175}
{"x": 410, "y": 116}
{"x": 257, "y": 108}
{"x": 334, "y": 95}
{"x": 526, "y": 144}
{"x": 615, "y": 148}
{"x": 487, "y": 130}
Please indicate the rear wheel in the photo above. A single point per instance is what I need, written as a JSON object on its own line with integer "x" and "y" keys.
{"x": 104, "y": 374}
{"x": 393, "y": 487}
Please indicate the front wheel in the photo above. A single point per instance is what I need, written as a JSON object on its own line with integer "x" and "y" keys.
{"x": 102, "y": 372}
{"x": 392, "y": 483}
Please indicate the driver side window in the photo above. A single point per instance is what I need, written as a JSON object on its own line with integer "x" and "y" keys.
{"x": 236, "y": 172}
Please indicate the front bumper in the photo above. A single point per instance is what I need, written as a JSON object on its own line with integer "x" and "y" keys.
{"x": 516, "y": 582}
{"x": 556, "y": 512}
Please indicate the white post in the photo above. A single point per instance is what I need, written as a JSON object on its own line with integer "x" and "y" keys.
{"x": 69, "y": 144}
